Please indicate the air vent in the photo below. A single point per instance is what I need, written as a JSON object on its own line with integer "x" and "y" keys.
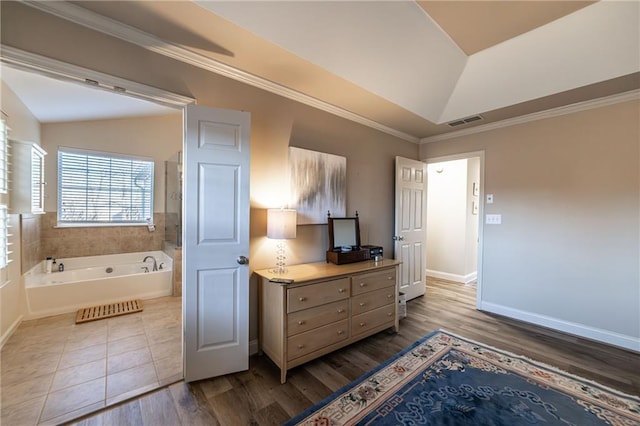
{"x": 465, "y": 121}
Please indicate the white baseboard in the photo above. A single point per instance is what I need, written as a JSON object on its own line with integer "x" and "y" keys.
{"x": 465, "y": 279}
{"x": 580, "y": 330}
{"x": 253, "y": 347}
{"x": 10, "y": 331}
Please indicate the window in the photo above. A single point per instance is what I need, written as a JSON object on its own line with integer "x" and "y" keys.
{"x": 4, "y": 216}
{"x": 103, "y": 188}
{"x": 3, "y": 156}
{"x": 4, "y": 236}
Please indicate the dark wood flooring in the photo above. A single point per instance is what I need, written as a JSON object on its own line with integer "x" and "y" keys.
{"x": 256, "y": 397}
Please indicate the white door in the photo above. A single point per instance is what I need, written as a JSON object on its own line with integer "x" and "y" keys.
{"x": 215, "y": 242}
{"x": 410, "y": 232}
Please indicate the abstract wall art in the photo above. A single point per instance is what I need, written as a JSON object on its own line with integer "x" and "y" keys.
{"x": 318, "y": 184}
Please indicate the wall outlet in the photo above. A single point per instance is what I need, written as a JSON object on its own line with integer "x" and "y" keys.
{"x": 493, "y": 219}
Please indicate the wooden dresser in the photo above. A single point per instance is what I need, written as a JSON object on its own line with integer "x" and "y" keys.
{"x": 324, "y": 308}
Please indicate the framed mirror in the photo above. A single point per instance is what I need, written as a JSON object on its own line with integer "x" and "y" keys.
{"x": 344, "y": 232}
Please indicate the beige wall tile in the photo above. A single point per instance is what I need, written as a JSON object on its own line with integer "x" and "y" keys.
{"x": 30, "y": 232}
{"x": 96, "y": 241}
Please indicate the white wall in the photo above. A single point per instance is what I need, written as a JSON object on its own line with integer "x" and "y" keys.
{"x": 471, "y": 234}
{"x": 567, "y": 253}
{"x": 158, "y": 137}
{"x": 446, "y": 205}
{"x": 23, "y": 126}
{"x": 452, "y": 228}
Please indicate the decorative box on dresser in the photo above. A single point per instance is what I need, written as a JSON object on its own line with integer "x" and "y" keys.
{"x": 321, "y": 307}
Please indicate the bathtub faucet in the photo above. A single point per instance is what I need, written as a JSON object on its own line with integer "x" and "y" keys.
{"x": 155, "y": 263}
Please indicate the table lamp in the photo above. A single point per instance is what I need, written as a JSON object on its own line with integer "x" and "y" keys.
{"x": 281, "y": 225}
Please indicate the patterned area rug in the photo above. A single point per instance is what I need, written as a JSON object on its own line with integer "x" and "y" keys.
{"x": 444, "y": 379}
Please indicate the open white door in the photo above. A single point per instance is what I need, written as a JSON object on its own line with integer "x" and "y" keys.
{"x": 410, "y": 232}
{"x": 215, "y": 242}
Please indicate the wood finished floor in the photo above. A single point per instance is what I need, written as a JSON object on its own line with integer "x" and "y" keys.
{"x": 256, "y": 397}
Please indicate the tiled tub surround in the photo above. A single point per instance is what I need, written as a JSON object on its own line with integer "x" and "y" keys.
{"x": 53, "y": 370}
{"x": 176, "y": 253}
{"x": 98, "y": 240}
{"x": 96, "y": 280}
{"x": 30, "y": 232}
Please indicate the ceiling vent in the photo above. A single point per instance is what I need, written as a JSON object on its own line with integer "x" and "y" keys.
{"x": 465, "y": 121}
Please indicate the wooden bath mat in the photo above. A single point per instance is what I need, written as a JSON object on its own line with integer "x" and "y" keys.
{"x": 111, "y": 310}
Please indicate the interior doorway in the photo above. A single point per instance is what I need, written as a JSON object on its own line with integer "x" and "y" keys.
{"x": 131, "y": 354}
{"x": 454, "y": 212}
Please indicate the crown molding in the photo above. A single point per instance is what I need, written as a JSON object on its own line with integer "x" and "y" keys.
{"x": 97, "y": 22}
{"x": 550, "y": 113}
{"x": 42, "y": 65}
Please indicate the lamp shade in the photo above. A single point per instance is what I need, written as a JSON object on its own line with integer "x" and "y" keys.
{"x": 281, "y": 224}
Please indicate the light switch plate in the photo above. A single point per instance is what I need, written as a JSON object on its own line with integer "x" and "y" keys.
{"x": 493, "y": 219}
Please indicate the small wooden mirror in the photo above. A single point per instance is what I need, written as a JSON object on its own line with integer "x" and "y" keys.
{"x": 344, "y": 232}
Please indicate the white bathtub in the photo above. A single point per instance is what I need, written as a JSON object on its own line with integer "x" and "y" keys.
{"x": 96, "y": 280}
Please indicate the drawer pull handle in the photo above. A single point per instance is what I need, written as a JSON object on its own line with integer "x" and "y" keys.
{"x": 340, "y": 331}
{"x": 363, "y": 284}
{"x": 302, "y": 299}
{"x": 340, "y": 310}
{"x": 362, "y": 304}
{"x": 300, "y": 322}
{"x": 300, "y": 346}
{"x": 341, "y": 290}
{"x": 389, "y": 314}
{"x": 362, "y": 324}
{"x": 389, "y": 278}
{"x": 389, "y": 296}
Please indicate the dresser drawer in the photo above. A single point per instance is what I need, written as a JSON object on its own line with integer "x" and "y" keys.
{"x": 363, "y": 283}
{"x": 304, "y": 343}
{"x": 301, "y": 321}
{"x": 308, "y": 296}
{"x": 374, "y": 299}
{"x": 372, "y": 319}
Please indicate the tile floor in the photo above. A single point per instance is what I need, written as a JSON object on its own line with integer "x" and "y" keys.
{"x": 53, "y": 370}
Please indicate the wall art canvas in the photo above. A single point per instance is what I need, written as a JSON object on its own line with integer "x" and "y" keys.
{"x": 318, "y": 184}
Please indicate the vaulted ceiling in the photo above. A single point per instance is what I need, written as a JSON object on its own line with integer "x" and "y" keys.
{"x": 410, "y": 66}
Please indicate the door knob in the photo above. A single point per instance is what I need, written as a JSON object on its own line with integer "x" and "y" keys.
{"x": 398, "y": 238}
{"x": 242, "y": 260}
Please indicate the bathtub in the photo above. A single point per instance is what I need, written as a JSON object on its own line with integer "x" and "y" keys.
{"x": 96, "y": 280}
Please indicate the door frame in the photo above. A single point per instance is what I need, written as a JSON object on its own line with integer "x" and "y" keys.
{"x": 52, "y": 68}
{"x": 466, "y": 156}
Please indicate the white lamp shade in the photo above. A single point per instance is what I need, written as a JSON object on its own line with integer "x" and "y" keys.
{"x": 281, "y": 224}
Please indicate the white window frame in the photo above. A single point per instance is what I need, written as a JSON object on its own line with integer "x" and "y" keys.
{"x": 106, "y": 216}
{"x": 4, "y": 236}
{"x": 4, "y": 156}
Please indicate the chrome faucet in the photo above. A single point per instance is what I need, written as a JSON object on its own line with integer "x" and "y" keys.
{"x": 155, "y": 263}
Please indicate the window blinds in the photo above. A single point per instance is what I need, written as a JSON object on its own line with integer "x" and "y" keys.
{"x": 3, "y": 156}
{"x": 97, "y": 187}
{"x": 4, "y": 236}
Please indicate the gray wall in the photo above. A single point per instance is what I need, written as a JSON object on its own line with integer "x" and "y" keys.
{"x": 276, "y": 124}
{"x": 567, "y": 253}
